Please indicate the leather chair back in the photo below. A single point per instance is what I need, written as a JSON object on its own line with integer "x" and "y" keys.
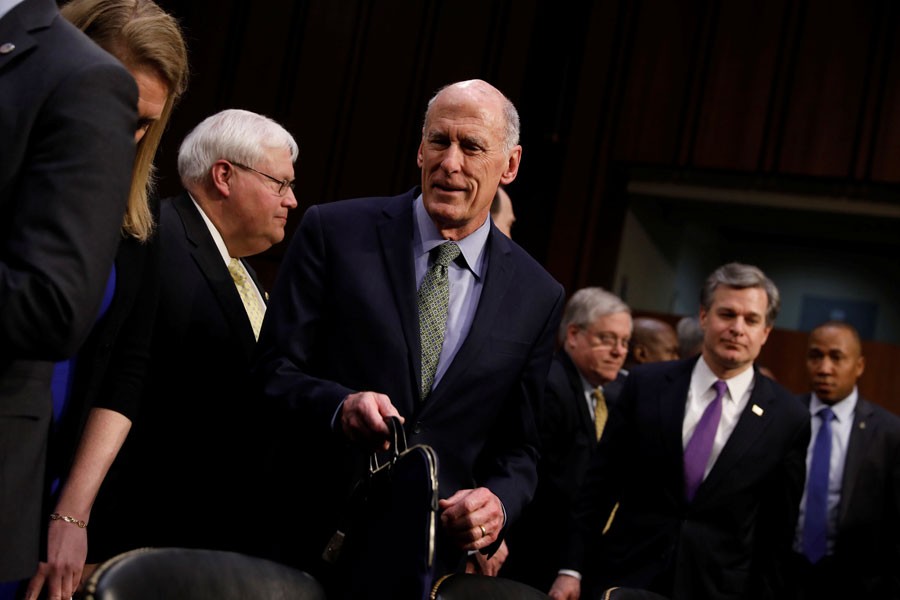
{"x": 190, "y": 574}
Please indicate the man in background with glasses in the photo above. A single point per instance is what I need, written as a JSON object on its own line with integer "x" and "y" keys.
{"x": 585, "y": 379}
{"x": 190, "y": 469}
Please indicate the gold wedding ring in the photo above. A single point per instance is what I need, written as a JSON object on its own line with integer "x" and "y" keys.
{"x": 483, "y": 531}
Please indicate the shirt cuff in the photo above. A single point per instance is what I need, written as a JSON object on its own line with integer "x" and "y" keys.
{"x": 570, "y": 573}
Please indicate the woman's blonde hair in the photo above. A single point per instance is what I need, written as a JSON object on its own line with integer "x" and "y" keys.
{"x": 142, "y": 36}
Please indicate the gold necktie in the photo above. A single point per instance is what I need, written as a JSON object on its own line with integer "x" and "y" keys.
{"x": 247, "y": 289}
{"x": 601, "y": 411}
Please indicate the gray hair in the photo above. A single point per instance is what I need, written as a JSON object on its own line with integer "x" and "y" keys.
{"x": 740, "y": 276}
{"x": 510, "y": 117}
{"x": 232, "y": 134}
{"x": 586, "y": 306}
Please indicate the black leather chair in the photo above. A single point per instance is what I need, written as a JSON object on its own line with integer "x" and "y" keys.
{"x": 188, "y": 574}
{"x": 462, "y": 586}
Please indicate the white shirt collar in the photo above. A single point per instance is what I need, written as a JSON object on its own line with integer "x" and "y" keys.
{"x": 842, "y": 409}
{"x": 217, "y": 237}
{"x": 704, "y": 378}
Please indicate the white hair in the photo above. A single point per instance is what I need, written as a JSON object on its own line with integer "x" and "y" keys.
{"x": 233, "y": 134}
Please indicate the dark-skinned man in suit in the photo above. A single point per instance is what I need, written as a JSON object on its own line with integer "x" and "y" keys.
{"x": 847, "y": 543}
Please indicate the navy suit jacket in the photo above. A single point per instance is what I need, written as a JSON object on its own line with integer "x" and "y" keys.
{"x": 67, "y": 121}
{"x": 728, "y": 542}
{"x": 867, "y": 547}
{"x": 195, "y": 448}
{"x": 343, "y": 318}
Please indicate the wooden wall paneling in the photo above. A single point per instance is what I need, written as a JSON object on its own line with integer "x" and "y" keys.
{"x": 881, "y": 379}
{"x": 736, "y": 99}
{"x": 658, "y": 80}
{"x": 584, "y": 147}
{"x": 826, "y": 94}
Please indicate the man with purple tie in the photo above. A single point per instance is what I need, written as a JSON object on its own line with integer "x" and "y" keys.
{"x": 706, "y": 459}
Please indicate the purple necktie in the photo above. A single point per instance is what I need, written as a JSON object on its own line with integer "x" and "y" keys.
{"x": 696, "y": 453}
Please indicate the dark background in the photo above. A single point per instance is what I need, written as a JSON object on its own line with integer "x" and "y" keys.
{"x": 768, "y": 95}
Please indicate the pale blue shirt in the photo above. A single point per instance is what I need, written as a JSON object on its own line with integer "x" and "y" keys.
{"x": 466, "y": 280}
{"x": 841, "y": 426}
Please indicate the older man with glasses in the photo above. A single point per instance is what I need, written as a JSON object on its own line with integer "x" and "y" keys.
{"x": 584, "y": 381}
{"x": 199, "y": 429}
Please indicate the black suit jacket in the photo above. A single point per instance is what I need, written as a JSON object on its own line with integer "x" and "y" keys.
{"x": 192, "y": 453}
{"x": 867, "y": 547}
{"x": 109, "y": 369}
{"x": 568, "y": 441}
{"x": 67, "y": 120}
{"x": 729, "y": 541}
{"x": 343, "y": 318}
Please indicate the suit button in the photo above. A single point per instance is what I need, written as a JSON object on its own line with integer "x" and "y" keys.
{"x": 417, "y": 428}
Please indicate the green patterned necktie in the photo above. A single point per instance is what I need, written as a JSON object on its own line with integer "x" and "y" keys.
{"x": 434, "y": 300}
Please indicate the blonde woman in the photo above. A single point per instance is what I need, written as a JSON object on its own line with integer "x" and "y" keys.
{"x": 96, "y": 393}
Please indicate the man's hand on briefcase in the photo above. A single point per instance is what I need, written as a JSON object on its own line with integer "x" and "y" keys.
{"x": 362, "y": 419}
{"x": 472, "y": 517}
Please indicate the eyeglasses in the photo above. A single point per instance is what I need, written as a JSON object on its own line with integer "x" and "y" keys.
{"x": 283, "y": 184}
{"x": 605, "y": 339}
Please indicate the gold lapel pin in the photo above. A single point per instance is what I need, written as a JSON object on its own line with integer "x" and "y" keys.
{"x": 757, "y": 410}
{"x": 862, "y": 424}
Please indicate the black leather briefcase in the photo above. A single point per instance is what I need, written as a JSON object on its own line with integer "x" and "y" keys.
{"x": 389, "y": 545}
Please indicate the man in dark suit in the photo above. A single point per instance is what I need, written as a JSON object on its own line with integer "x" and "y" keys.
{"x": 706, "y": 458}
{"x": 193, "y": 454}
{"x": 67, "y": 123}
{"x": 848, "y": 535}
{"x": 341, "y": 342}
{"x": 593, "y": 337}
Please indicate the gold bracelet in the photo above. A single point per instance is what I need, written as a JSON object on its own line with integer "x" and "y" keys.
{"x": 58, "y": 517}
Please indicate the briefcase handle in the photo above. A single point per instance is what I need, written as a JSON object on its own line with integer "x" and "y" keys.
{"x": 398, "y": 444}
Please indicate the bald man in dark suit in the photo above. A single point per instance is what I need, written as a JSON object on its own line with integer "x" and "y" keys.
{"x": 341, "y": 344}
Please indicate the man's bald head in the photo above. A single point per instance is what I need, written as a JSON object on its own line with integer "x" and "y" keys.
{"x": 652, "y": 340}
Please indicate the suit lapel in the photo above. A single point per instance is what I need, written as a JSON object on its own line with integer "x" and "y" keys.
{"x": 395, "y": 235}
{"x": 15, "y": 37}
{"x": 208, "y": 259}
{"x": 861, "y": 435}
{"x": 749, "y": 427}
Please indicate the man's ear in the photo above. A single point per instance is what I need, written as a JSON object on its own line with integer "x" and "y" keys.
{"x": 222, "y": 174}
{"x": 640, "y": 353}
